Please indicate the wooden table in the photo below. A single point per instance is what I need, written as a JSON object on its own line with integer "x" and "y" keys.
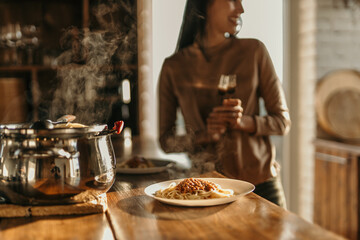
{"x": 133, "y": 215}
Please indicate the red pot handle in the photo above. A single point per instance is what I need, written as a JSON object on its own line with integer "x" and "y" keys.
{"x": 118, "y": 126}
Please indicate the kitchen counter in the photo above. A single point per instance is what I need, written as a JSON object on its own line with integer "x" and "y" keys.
{"x": 133, "y": 215}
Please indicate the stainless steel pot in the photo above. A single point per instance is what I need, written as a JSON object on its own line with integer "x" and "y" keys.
{"x": 55, "y": 166}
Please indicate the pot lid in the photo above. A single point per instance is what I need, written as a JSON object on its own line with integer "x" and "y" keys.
{"x": 24, "y": 130}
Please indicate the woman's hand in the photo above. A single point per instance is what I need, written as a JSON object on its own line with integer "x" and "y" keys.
{"x": 226, "y": 116}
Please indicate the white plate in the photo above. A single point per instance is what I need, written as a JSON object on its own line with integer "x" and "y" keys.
{"x": 240, "y": 188}
{"x": 160, "y": 166}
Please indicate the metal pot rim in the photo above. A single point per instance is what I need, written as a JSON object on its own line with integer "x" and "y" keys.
{"x": 24, "y": 130}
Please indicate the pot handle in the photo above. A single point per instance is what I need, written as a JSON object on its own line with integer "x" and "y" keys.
{"x": 118, "y": 127}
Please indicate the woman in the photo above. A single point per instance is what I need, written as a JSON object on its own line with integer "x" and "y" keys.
{"x": 227, "y": 132}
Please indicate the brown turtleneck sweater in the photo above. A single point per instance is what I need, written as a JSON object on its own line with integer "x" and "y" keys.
{"x": 189, "y": 81}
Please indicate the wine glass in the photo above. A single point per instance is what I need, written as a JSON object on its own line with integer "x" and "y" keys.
{"x": 11, "y": 39}
{"x": 227, "y": 85}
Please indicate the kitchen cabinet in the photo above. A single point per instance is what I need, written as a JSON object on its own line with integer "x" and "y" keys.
{"x": 39, "y": 59}
{"x": 336, "y": 195}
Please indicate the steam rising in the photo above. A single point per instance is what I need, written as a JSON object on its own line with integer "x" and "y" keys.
{"x": 91, "y": 61}
{"x": 202, "y": 162}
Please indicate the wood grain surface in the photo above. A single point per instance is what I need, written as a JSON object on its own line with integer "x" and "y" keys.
{"x": 94, "y": 226}
{"x": 133, "y": 215}
{"x": 137, "y": 216}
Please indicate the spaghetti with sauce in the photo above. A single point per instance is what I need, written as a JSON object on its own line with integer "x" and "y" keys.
{"x": 194, "y": 189}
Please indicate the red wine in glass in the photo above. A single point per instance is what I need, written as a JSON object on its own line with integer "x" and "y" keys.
{"x": 223, "y": 86}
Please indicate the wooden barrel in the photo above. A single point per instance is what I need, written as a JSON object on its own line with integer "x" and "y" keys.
{"x": 13, "y": 105}
{"x": 338, "y": 104}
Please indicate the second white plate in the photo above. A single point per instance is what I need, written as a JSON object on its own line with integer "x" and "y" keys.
{"x": 160, "y": 166}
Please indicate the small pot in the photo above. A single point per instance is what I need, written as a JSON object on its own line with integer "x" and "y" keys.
{"x": 55, "y": 166}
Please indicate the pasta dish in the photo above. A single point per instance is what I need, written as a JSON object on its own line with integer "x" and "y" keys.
{"x": 194, "y": 189}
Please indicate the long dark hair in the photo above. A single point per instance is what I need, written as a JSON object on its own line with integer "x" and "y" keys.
{"x": 193, "y": 23}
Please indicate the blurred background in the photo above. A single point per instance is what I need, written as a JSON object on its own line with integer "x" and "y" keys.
{"x": 100, "y": 60}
